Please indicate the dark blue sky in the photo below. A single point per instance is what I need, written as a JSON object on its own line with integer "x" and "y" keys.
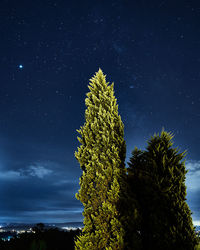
{"x": 149, "y": 49}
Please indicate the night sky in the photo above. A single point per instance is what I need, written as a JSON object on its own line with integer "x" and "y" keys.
{"x": 48, "y": 52}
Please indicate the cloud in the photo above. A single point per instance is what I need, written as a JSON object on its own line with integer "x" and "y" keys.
{"x": 9, "y": 175}
{"x": 196, "y": 222}
{"x": 36, "y": 171}
{"x": 39, "y": 191}
{"x": 41, "y": 199}
{"x": 64, "y": 182}
{"x": 193, "y": 189}
{"x": 192, "y": 177}
{"x": 193, "y": 166}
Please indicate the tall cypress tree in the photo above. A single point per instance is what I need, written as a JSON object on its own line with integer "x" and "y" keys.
{"x": 157, "y": 177}
{"x": 101, "y": 157}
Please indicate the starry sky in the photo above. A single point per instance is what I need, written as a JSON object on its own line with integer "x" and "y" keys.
{"x": 49, "y": 50}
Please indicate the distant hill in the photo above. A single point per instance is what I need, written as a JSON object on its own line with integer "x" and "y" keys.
{"x": 24, "y": 226}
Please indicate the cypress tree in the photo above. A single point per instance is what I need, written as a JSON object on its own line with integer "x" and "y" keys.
{"x": 101, "y": 157}
{"x": 157, "y": 177}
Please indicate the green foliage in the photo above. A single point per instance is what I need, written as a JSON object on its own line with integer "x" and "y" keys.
{"x": 197, "y": 247}
{"x": 38, "y": 245}
{"x": 101, "y": 157}
{"x": 157, "y": 178}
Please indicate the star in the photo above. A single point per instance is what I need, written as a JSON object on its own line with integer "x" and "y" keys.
{"x": 20, "y": 66}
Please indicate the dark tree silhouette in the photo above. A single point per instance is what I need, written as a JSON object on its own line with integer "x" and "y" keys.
{"x": 157, "y": 177}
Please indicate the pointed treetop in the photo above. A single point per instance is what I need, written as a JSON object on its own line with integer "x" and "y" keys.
{"x": 164, "y": 137}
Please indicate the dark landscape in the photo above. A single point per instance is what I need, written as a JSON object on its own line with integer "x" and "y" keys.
{"x": 40, "y": 236}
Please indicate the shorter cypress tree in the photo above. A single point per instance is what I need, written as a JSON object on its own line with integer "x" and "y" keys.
{"x": 157, "y": 178}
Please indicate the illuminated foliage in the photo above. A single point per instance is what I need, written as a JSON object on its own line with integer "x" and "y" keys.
{"x": 101, "y": 157}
